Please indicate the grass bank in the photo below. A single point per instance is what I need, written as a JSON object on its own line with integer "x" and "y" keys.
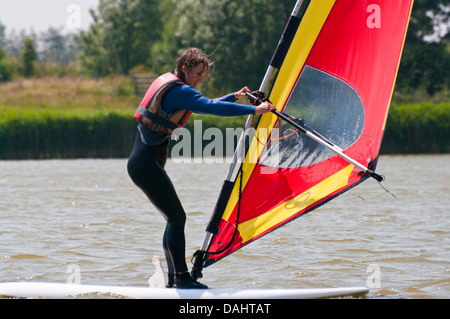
{"x": 71, "y": 94}
{"x": 75, "y": 117}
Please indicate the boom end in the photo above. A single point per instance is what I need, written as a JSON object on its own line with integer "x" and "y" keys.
{"x": 376, "y": 176}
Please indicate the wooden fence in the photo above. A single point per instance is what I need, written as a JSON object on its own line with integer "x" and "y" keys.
{"x": 142, "y": 82}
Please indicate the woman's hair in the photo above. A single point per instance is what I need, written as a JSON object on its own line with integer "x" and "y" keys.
{"x": 192, "y": 57}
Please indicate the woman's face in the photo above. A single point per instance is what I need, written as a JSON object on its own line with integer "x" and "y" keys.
{"x": 195, "y": 75}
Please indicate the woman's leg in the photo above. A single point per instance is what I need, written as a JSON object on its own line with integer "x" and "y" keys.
{"x": 146, "y": 169}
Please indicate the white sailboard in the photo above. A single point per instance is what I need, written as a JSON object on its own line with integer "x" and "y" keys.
{"x": 156, "y": 290}
{"x": 62, "y": 290}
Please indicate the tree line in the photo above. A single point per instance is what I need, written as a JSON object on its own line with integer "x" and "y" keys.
{"x": 127, "y": 36}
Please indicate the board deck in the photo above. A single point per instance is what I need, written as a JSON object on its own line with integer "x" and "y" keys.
{"x": 61, "y": 290}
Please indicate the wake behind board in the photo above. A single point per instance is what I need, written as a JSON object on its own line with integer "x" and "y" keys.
{"x": 61, "y": 290}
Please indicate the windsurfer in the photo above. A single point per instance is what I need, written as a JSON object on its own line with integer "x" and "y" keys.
{"x": 149, "y": 154}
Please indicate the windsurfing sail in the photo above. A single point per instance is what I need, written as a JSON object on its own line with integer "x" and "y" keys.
{"x": 333, "y": 73}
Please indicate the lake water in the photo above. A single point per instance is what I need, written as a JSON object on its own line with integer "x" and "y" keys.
{"x": 65, "y": 220}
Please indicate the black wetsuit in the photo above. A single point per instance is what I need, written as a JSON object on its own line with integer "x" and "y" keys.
{"x": 148, "y": 158}
{"x": 146, "y": 169}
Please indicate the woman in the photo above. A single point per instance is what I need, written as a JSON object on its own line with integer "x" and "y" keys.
{"x": 167, "y": 105}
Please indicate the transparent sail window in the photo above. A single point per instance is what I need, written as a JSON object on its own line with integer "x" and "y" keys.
{"x": 326, "y": 104}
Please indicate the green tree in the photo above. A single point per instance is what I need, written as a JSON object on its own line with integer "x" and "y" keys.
{"x": 4, "y": 73}
{"x": 6, "y": 67}
{"x": 241, "y": 35}
{"x": 425, "y": 62}
{"x": 56, "y": 47}
{"x": 2, "y": 35}
{"x": 28, "y": 57}
{"x": 121, "y": 36}
{"x": 166, "y": 50}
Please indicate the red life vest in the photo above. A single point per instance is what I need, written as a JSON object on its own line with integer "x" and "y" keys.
{"x": 150, "y": 112}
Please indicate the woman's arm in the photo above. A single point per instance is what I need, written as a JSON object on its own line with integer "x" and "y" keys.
{"x": 186, "y": 97}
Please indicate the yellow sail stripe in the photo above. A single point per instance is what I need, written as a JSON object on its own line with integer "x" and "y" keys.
{"x": 301, "y": 46}
{"x": 258, "y": 225}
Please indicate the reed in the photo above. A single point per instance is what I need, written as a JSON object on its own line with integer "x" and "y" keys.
{"x": 417, "y": 128}
{"x": 48, "y": 134}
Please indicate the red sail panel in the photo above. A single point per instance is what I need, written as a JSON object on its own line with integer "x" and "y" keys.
{"x": 366, "y": 55}
{"x": 338, "y": 76}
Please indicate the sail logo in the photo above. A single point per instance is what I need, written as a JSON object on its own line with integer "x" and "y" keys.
{"x": 374, "y": 19}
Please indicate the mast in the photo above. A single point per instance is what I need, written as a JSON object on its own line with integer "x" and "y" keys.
{"x": 283, "y": 45}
